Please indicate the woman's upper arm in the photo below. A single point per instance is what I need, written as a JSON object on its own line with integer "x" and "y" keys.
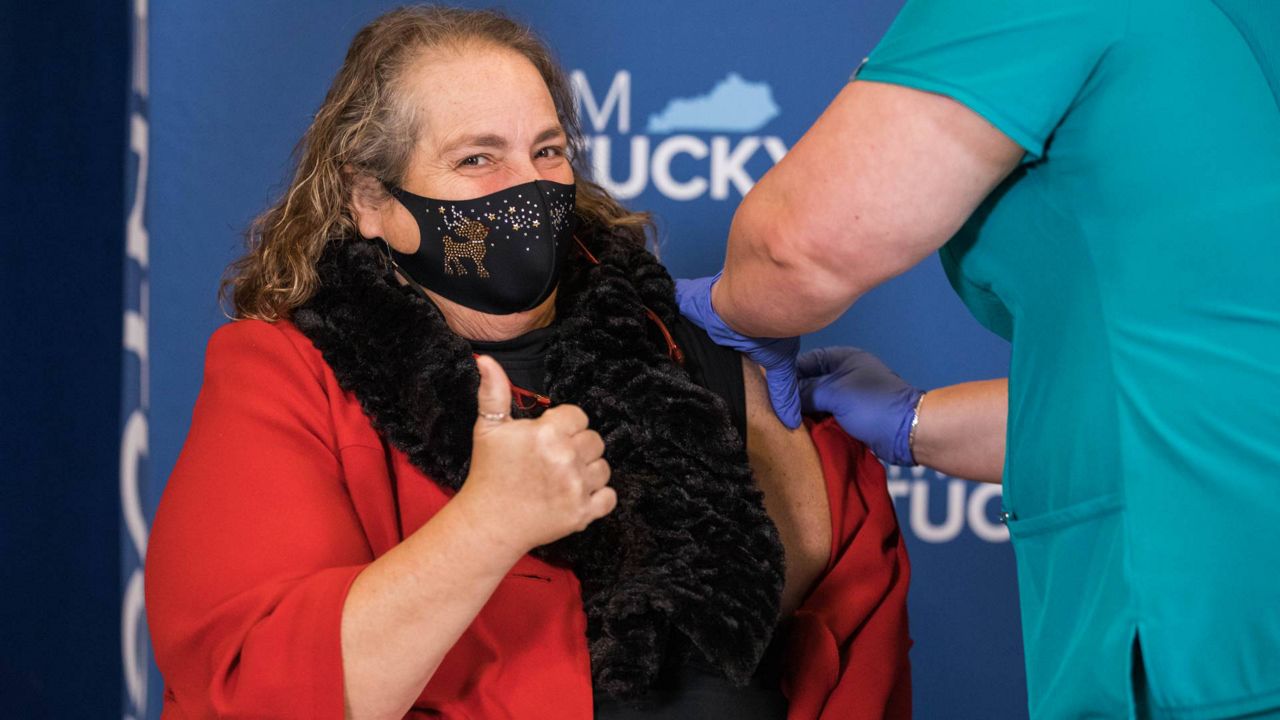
{"x": 789, "y": 472}
{"x": 259, "y": 476}
{"x": 256, "y": 541}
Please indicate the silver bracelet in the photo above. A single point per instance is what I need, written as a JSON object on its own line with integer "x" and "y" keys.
{"x": 915, "y": 422}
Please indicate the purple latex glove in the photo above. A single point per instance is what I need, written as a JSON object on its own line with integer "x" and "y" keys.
{"x": 776, "y": 355}
{"x": 868, "y": 399}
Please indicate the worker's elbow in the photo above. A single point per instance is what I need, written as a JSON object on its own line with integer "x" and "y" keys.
{"x": 787, "y": 245}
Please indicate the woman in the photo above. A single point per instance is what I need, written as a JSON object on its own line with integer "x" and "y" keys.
{"x": 1102, "y": 181}
{"x": 363, "y": 523}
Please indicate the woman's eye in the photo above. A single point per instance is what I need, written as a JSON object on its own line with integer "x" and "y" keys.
{"x": 550, "y": 151}
{"x": 473, "y": 161}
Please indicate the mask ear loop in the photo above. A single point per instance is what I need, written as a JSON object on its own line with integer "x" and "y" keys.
{"x": 394, "y": 192}
{"x": 398, "y": 274}
{"x": 673, "y": 349}
{"x": 386, "y": 250}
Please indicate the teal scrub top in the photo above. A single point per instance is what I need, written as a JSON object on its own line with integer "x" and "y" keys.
{"x": 1133, "y": 261}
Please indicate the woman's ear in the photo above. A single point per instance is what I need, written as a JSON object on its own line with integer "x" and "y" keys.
{"x": 368, "y": 203}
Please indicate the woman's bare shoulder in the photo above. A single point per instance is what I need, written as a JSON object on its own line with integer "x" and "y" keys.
{"x": 788, "y": 471}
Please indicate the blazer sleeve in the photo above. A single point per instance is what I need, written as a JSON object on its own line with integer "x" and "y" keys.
{"x": 256, "y": 541}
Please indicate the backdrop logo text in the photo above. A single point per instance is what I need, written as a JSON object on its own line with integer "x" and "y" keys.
{"x": 694, "y": 147}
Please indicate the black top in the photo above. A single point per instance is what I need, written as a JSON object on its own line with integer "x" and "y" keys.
{"x": 524, "y": 358}
{"x": 715, "y": 368}
{"x": 692, "y": 691}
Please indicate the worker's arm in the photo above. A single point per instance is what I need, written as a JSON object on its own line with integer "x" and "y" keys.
{"x": 961, "y": 430}
{"x": 958, "y": 429}
{"x": 884, "y": 177}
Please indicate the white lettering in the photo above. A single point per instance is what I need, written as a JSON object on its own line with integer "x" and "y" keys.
{"x": 135, "y": 338}
{"x": 133, "y": 642}
{"x": 953, "y": 521}
{"x": 139, "y": 81}
{"x": 136, "y": 240}
{"x": 651, "y": 157}
{"x": 662, "y": 155}
{"x": 727, "y": 165}
{"x": 914, "y": 485}
{"x": 637, "y": 177}
{"x": 619, "y": 96}
{"x": 979, "y": 522}
{"x": 135, "y": 334}
{"x": 775, "y": 147}
{"x": 899, "y": 489}
{"x": 133, "y": 448}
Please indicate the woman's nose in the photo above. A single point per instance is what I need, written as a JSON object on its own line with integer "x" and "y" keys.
{"x": 522, "y": 170}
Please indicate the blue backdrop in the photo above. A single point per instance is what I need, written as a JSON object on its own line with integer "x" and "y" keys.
{"x": 63, "y": 68}
{"x": 686, "y": 104}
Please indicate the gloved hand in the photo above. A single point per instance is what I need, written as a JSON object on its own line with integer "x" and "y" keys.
{"x": 776, "y": 355}
{"x": 868, "y": 399}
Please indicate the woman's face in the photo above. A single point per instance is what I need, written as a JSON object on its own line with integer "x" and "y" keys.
{"x": 487, "y": 123}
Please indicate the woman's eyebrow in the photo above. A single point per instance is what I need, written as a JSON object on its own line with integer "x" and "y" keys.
{"x": 550, "y": 133}
{"x": 487, "y": 140}
{"x": 492, "y": 140}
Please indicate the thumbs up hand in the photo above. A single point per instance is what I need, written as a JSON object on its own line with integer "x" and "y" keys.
{"x": 533, "y": 482}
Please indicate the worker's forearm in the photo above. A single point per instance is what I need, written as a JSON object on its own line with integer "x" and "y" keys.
{"x": 961, "y": 430}
{"x": 406, "y": 610}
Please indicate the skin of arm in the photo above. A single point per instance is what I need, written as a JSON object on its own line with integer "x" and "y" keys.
{"x": 884, "y": 177}
{"x": 961, "y": 430}
{"x": 787, "y": 469}
{"x": 407, "y": 609}
{"x": 531, "y": 482}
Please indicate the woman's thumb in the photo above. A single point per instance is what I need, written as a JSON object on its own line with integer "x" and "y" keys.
{"x": 494, "y": 396}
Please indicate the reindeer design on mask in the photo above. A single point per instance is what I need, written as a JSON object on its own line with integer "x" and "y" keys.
{"x": 472, "y": 247}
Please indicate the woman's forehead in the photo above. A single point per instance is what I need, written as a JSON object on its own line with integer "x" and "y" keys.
{"x": 482, "y": 91}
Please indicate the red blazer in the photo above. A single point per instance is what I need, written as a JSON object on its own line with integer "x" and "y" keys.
{"x": 282, "y": 495}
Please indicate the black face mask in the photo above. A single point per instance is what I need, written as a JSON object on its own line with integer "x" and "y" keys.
{"x": 500, "y": 253}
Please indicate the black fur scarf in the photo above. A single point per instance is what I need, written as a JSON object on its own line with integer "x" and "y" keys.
{"x": 688, "y": 564}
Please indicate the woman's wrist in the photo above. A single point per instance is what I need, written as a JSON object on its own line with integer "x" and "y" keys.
{"x": 486, "y": 527}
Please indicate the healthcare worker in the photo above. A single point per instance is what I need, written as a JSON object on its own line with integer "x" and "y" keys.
{"x": 1102, "y": 179}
